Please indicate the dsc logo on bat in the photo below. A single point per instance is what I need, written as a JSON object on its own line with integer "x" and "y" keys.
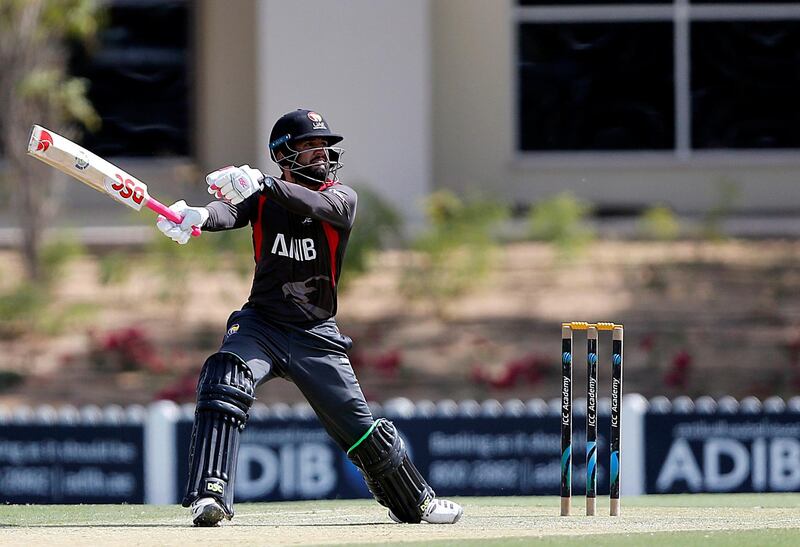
{"x": 128, "y": 191}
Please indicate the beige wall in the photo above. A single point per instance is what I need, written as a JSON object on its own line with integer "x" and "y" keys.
{"x": 225, "y": 68}
{"x": 473, "y": 134}
{"x": 471, "y": 116}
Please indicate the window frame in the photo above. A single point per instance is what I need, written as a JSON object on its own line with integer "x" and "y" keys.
{"x": 681, "y": 13}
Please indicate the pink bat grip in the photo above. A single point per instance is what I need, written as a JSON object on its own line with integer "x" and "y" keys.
{"x": 161, "y": 209}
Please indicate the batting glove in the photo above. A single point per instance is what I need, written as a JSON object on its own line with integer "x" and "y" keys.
{"x": 235, "y": 184}
{"x": 182, "y": 233}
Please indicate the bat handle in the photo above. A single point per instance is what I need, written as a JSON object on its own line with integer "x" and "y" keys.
{"x": 166, "y": 212}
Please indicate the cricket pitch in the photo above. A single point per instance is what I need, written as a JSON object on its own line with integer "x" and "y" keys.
{"x": 738, "y": 519}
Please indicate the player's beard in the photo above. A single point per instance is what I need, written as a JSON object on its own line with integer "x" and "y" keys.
{"x": 314, "y": 174}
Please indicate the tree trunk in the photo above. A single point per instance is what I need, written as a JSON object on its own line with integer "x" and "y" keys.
{"x": 20, "y": 53}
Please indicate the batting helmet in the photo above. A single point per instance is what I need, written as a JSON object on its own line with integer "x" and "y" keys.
{"x": 297, "y": 126}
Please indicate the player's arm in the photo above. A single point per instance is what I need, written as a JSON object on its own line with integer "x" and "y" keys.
{"x": 335, "y": 205}
{"x": 223, "y": 215}
{"x": 215, "y": 217}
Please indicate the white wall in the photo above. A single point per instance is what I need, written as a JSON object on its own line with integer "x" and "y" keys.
{"x": 365, "y": 66}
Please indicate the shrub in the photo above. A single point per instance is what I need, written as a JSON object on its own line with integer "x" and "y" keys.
{"x": 19, "y": 309}
{"x": 56, "y": 255}
{"x": 728, "y": 192}
{"x": 561, "y": 221}
{"x": 455, "y": 252}
{"x": 659, "y": 223}
{"x": 115, "y": 267}
{"x": 376, "y": 223}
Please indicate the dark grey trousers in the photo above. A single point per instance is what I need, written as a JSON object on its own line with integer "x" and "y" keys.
{"x": 314, "y": 358}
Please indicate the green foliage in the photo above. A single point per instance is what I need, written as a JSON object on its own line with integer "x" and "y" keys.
{"x": 167, "y": 258}
{"x": 77, "y": 19}
{"x": 20, "y": 307}
{"x": 455, "y": 252}
{"x": 30, "y": 306}
{"x": 113, "y": 268}
{"x": 728, "y": 192}
{"x": 63, "y": 95}
{"x": 56, "y": 255}
{"x": 34, "y": 36}
{"x": 49, "y": 25}
{"x": 659, "y": 223}
{"x": 54, "y": 320}
{"x": 236, "y": 248}
{"x": 210, "y": 252}
{"x": 561, "y": 220}
{"x": 376, "y": 222}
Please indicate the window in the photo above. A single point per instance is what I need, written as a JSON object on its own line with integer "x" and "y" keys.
{"x": 680, "y": 78}
{"x": 745, "y": 84}
{"x": 140, "y": 79}
{"x": 596, "y": 86}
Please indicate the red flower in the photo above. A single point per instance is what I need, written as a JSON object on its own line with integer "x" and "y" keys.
{"x": 389, "y": 363}
{"x": 678, "y": 374}
{"x": 648, "y": 342}
{"x": 504, "y": 380}
{"x": 128, "y": 348}
{"x": 477, "y": 375}
{"x": 529, "y": 368}
{"x": 357, "y": 360}
{"x": 182, "y": 390}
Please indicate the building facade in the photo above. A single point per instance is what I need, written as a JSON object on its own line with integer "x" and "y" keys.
{"x": 624, "y": 104}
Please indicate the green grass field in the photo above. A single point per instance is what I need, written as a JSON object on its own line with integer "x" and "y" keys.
{"x": 729, "y": 520}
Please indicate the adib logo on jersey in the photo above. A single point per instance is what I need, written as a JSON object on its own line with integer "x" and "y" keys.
{"x": 298, "y": 249}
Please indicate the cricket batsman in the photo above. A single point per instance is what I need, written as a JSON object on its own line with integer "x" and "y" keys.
{"x": 301, "y": 222}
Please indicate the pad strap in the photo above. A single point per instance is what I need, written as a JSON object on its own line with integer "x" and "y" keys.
{"x": 224, "y": 396}
{"x": 389, "y": 473}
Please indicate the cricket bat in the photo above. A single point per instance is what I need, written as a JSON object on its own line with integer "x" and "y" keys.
{"x": 92, "y": 170}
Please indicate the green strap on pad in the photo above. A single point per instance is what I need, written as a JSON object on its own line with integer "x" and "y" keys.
{"x": 381, "y": 456}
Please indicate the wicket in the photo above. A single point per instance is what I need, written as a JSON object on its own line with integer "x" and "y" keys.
{"x": 592, "y": 335}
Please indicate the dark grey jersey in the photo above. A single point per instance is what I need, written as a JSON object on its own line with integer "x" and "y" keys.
{"x": 299, "y": 241}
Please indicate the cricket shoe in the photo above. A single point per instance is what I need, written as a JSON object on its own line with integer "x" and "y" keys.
{"x": 207, "y": 512}
{"x": 438, "y": 511}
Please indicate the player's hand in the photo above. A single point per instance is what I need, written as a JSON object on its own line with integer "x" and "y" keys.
{"x": 235, "y": 184}
{"x": 192, "y": 216}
